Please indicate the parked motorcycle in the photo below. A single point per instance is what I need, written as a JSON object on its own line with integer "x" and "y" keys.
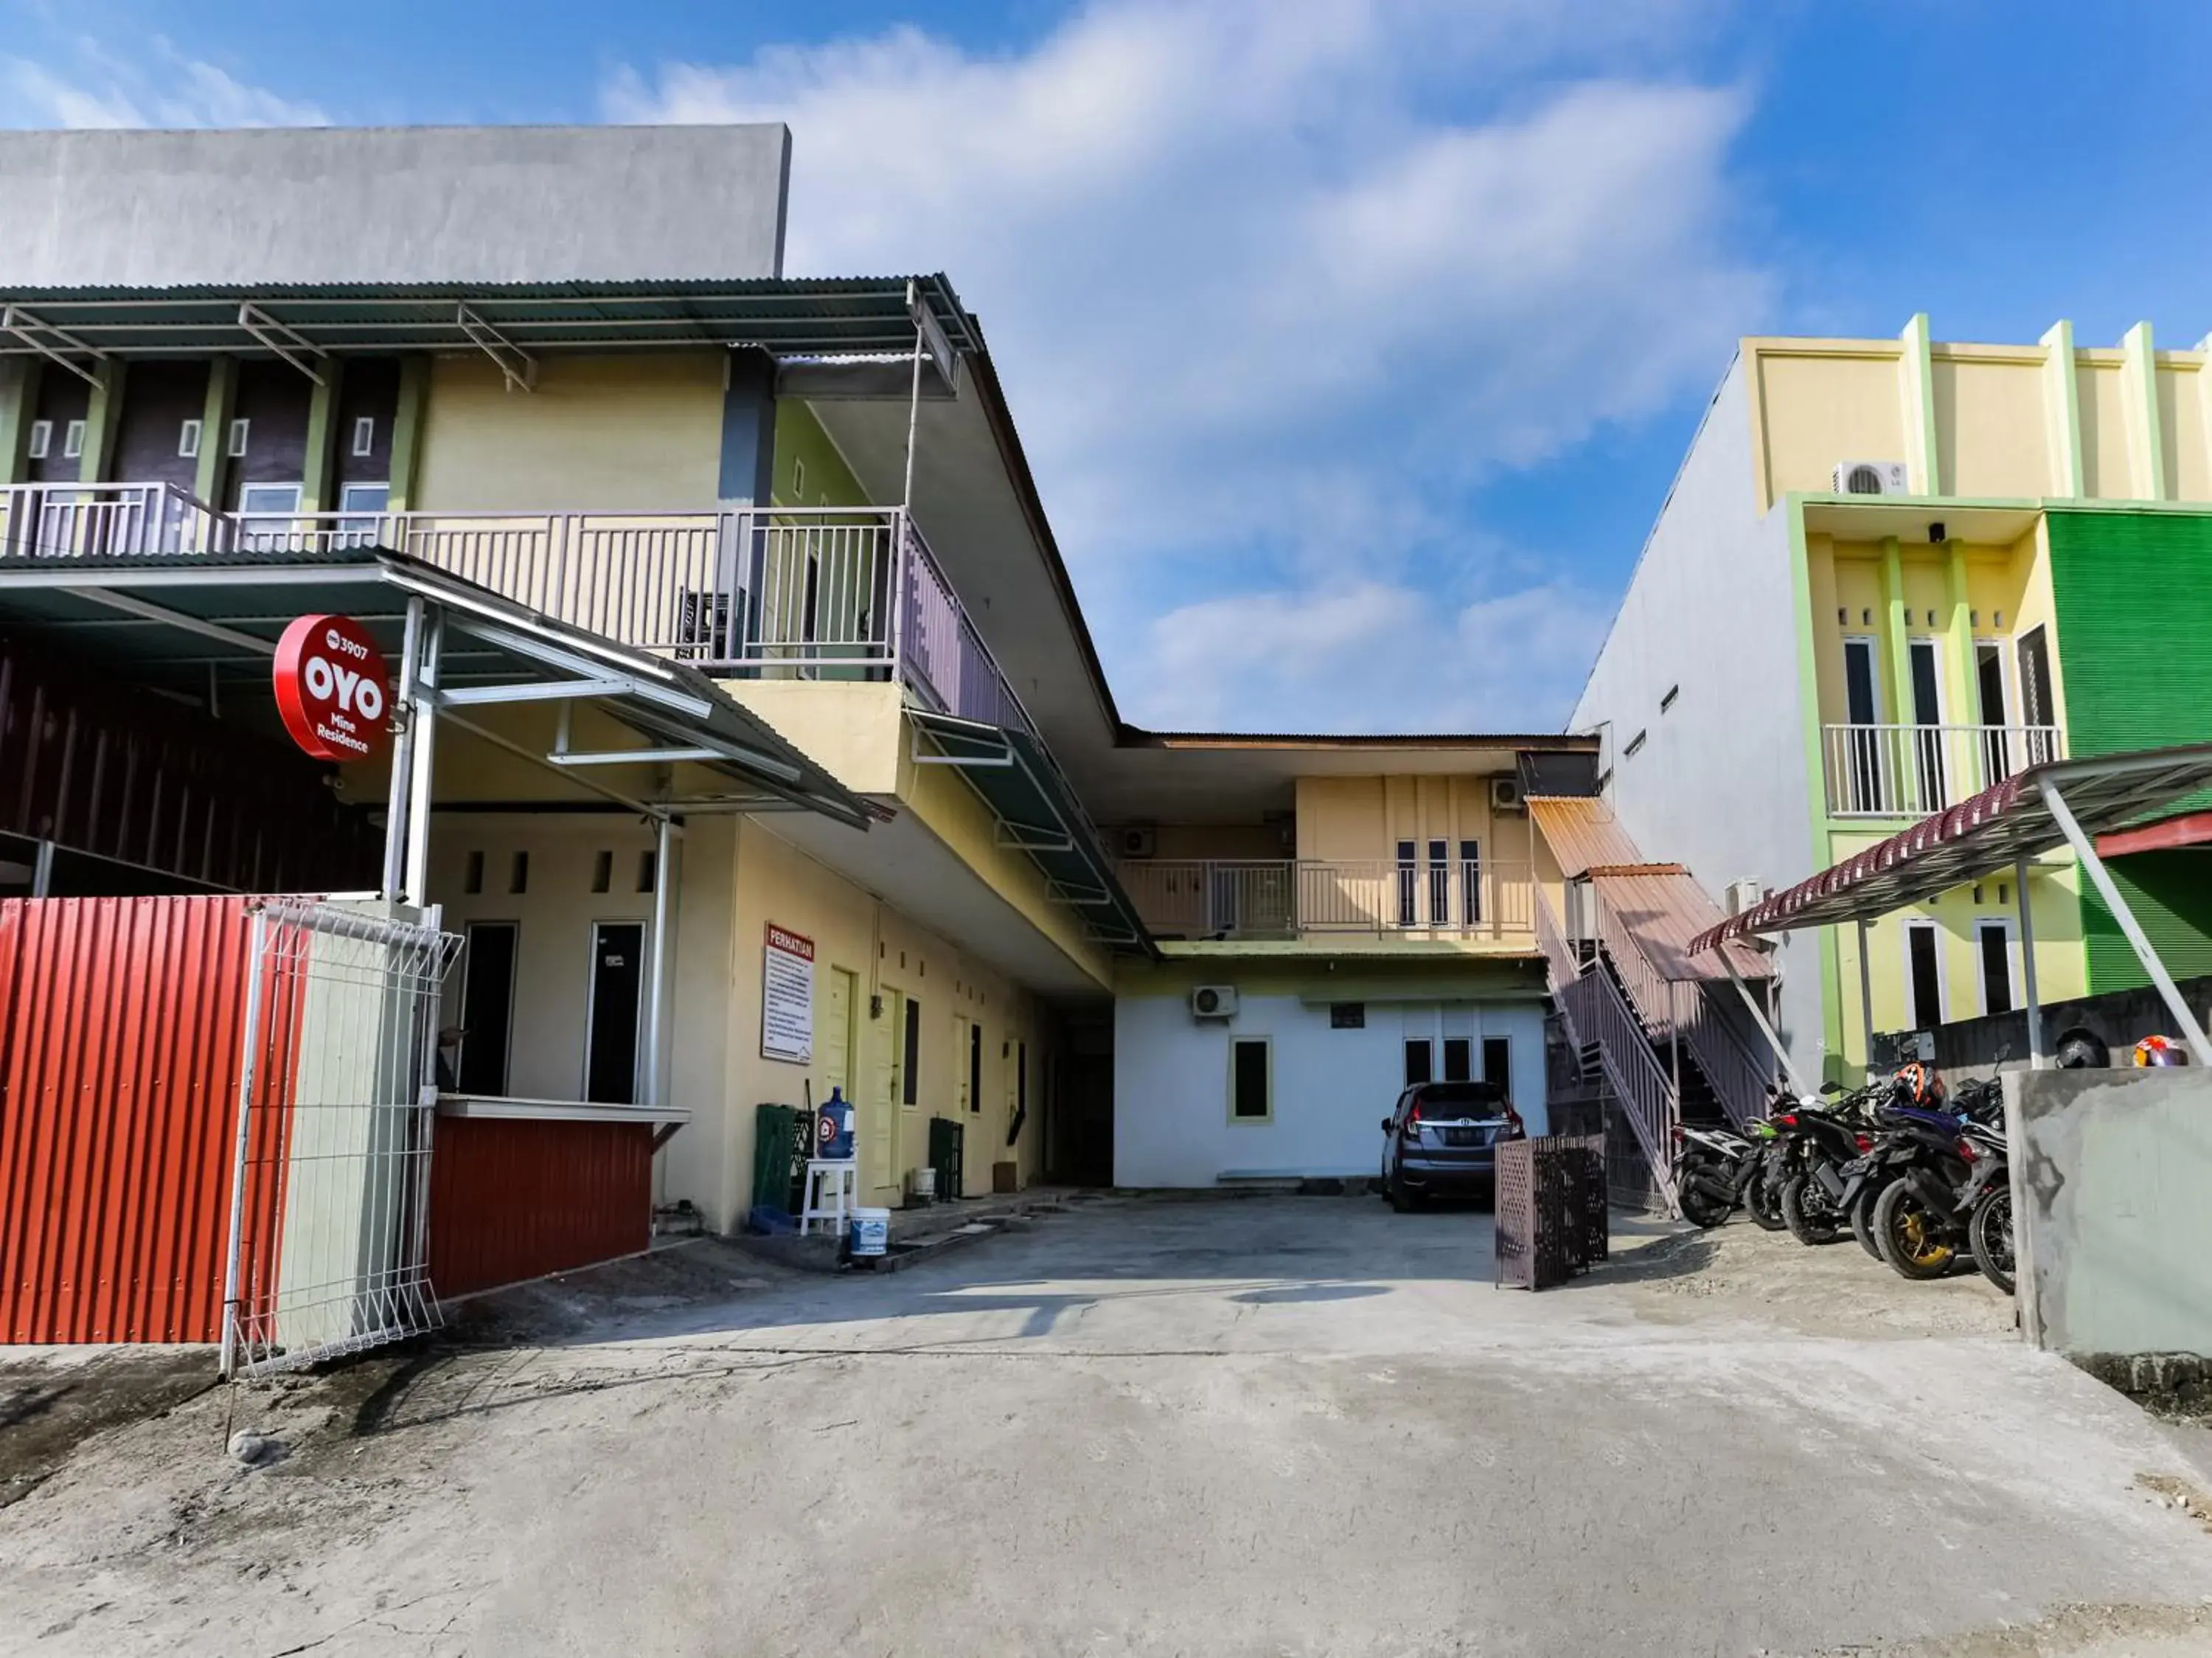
{"x": 1712, "y": 1165}
{"x": 1920, "y": 1222}
{"x": 1987, "y": 1201}
{"x": 1760, "y": 1184}
{"x": 1818, "y": 1141}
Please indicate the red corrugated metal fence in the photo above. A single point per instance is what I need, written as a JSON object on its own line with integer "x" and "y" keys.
{"x": 514, "y": 1198}
{"x": 120, "y": 1048}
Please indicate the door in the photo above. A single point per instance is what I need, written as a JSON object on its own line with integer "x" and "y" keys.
{"x": 2039, "y": 707}
{"x": 1924, "y": 975}
{"x": 487, "y": 1007}
{"x": 1928, "y": 718}
{"x": 1993, "y": 940}
{"x": 610, "y": 1034}
{"x": 1990, "y": 708}
{"x": 1862, "y": 783}
{"x": 880, "y": 1167}
{"x": 833, "y": 1034}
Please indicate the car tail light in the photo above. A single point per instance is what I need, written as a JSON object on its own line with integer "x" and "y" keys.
{"x": 1412, "y": 1124}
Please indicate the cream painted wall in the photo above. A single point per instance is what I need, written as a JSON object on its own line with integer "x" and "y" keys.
{"x": 855, "y": 730}
{"x": 2182, "y": 393}
{"x": 1991, "y": 431}
{"x": 2101, "y": 383}
{"x": 1842, "y": 403}
{"x": 599, "y": 434}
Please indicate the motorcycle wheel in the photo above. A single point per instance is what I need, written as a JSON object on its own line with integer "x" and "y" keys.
{"x": 1912, "y": 1237}
{"x": 1763, "y": 1202}
{"x": 1863, "y": 1219}
{"x": 1808, "y": 1213}
{"x": 1702, "y": 1204}
{"x": 1989, "y": 1234}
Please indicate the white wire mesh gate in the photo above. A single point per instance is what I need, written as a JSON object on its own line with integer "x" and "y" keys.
{"x": 330, "y": 1194}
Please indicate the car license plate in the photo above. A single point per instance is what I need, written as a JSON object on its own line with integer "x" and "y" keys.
{"x": 1462, "y": 1137}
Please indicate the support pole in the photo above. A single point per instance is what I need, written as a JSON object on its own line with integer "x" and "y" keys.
{"x": 1866, "y": 996}
{"x": 425, "y": 724}
{"x": 1766, "y": 1030}
{"x": 248, "y": 1068}
{"x": 664, "y": 884}
{"x": 2086, "y": 849}
{"x": 914, "y": 402}
{"x": 2035, "y": 1054}
{"x": 402, "y": 758}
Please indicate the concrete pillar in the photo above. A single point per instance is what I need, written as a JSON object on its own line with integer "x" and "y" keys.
{"x": 2146, "y": 425}
{"x": 1894, "y": 634}
{"x": 102, "y": 418}
{"x": 407, "y": 431}
{"x": 2062, "y": 398}
{"x": 213, "y": 472}
{"x": 319, "y": 471}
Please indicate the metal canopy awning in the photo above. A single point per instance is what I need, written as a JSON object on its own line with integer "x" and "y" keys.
{"x": 1039, "y": 815}
{"x": 845, "y": 316}
{"x": 2059, "y": 803}
{"x": 1992, "y": 831}
{"x": 189, "y": 623}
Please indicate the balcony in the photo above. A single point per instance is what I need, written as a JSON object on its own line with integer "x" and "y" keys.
{"x": 807, "y": 593}
{"x": 1293, "y": 897}
{"x": 1912, "y": 771}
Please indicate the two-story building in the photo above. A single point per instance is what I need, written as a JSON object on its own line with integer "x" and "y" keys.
{"x": 1891, "y": 573}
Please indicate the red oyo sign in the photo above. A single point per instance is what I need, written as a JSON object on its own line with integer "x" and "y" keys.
{"x": 331, "y": 688}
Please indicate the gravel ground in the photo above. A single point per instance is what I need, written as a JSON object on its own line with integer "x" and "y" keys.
{"x": 1259, "y": 1425}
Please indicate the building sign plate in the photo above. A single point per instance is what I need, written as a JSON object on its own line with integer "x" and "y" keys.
{"x": 787, "y": 997}
{"x": 333, "y": 689}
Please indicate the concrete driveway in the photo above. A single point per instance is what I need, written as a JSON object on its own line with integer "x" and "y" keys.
{"x": 1265, "y": 1425}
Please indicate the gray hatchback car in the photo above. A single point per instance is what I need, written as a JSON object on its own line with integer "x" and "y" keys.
{"x": 1442, "y": 1139}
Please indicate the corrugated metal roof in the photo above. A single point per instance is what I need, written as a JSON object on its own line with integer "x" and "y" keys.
{"x": 1665, "y": 910}
{"x": 827, "y": 316}
{"x": 1582, "y": 831}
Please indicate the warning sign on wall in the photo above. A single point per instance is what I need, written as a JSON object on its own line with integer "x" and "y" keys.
{"x": 787, "y": 997}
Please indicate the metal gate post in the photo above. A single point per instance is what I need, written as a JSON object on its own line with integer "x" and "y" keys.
{"x": 248, "y": 1070}
{"x": 2035, "y": 1056}
{"x": 423, "y": 725}
{"x": 402, "y": 758}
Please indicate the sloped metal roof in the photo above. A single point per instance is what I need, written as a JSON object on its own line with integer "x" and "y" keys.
{"x": 1582, "y": 831}
{"x": 787, "y": 317}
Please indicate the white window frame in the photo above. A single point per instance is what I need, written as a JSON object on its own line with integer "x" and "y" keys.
{"x": 2007, "y": 675}
{"x": 364, "y": 436}
{"x": 1229, "y": 1105}
{"x": 188, "y": 439}
{"x": 2010, "y": 928}
{"x": 39, "y": 440}
{"x": 73, "y": 437}
{"x": 1942, "y": 977}
{"x": 236, "y": 439}
{"x": 298, "y": 492}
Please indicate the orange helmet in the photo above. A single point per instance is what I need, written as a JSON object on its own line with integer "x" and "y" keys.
{"x": 1920, "y": 1083}
{"x": 2158, "y": 1050}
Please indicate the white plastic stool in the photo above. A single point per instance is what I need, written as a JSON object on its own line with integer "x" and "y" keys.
{"x": 833, "y": 1191}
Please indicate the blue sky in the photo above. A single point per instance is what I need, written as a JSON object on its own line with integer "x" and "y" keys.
{"x": 1340, "y": 331}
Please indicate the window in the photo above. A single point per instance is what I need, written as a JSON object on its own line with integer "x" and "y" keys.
{"x": 798, "y": 477}
{"x": 911, "y": 1052}
{"x": 1406, "y": 884}
{"x": 1458, "y": 1059}
{"x": 602, "y": 871}
{"x": 647, "y": 871}
{"x": 1497, "y": 1064}
{"x": 975, "y": 1069}
{"x": 1924, "y": 975}
{"x": 1420, "y": 1065}
{"x": 2037, "y": 704}
{"x": 1439, "y": 884}
{"x": 40, "y": 439}
{"x": 517, "y": 874}
{"x": 364, "y": 436}
{"x": 239, "y": 431}
{"x": 1347, "y": 1015}
{"x": 1666, "y": 701}
{"x": 1635, "y": 747}
{"x": 188, "y": 440}
{"x": 73, "y": 440}
{"x": 1994, "y": 940}
{"x": 1470, "y": 883}
{"x": 1251, "y": 1080}
{"x": 472, "y": 882}
{"x": 278, "y": 499}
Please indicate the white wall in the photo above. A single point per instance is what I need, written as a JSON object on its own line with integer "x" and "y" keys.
{"x": 1332, "y": 1088}
{"x": 1720, "y": 784}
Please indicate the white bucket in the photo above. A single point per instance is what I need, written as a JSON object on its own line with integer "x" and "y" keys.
{"x": 921, "y": 1184}
{"x": 872, "y": 1232}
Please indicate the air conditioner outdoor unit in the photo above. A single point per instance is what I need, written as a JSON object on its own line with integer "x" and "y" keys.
{"x": 1871, "y": 477}
{"x": 1139, "y": 841}
{"x": 1742, "y": 895}
{"x": 1213, "y": 1001}
{"x": 1505, "y": 795}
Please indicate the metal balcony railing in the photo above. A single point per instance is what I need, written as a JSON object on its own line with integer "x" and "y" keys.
{"x": 1911, "y": 771}
{"x": 823, "y": 593}
{"x": 1284, "y": 898}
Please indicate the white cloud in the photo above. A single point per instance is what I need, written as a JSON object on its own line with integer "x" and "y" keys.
{"x": 1275, "y": 287}
{"x": 99, "y": 89}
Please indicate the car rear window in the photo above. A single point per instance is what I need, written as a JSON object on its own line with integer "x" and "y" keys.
{"x": 1478, "y": 1099}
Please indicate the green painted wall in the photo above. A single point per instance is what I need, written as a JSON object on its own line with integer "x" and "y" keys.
{"x": 2133, "y": 593}
{"x": 801, "y": 443}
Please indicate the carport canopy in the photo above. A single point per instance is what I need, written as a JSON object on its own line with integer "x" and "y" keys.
{"x": 2037, "y": 810}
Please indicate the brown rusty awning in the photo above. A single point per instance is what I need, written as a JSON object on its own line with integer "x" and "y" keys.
{"x": 1664, "y": 910}
{"x": 1582, "y": 831}
{"x": 1996, "y": 829}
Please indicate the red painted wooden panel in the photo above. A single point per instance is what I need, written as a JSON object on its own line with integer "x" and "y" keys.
{"x": 514, "y": 1198}
{"x": 120, "y": 1046}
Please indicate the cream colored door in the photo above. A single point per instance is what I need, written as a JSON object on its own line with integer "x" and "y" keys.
{"x": 832, "y": 1032}
{"x": 880, "y": 1155}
